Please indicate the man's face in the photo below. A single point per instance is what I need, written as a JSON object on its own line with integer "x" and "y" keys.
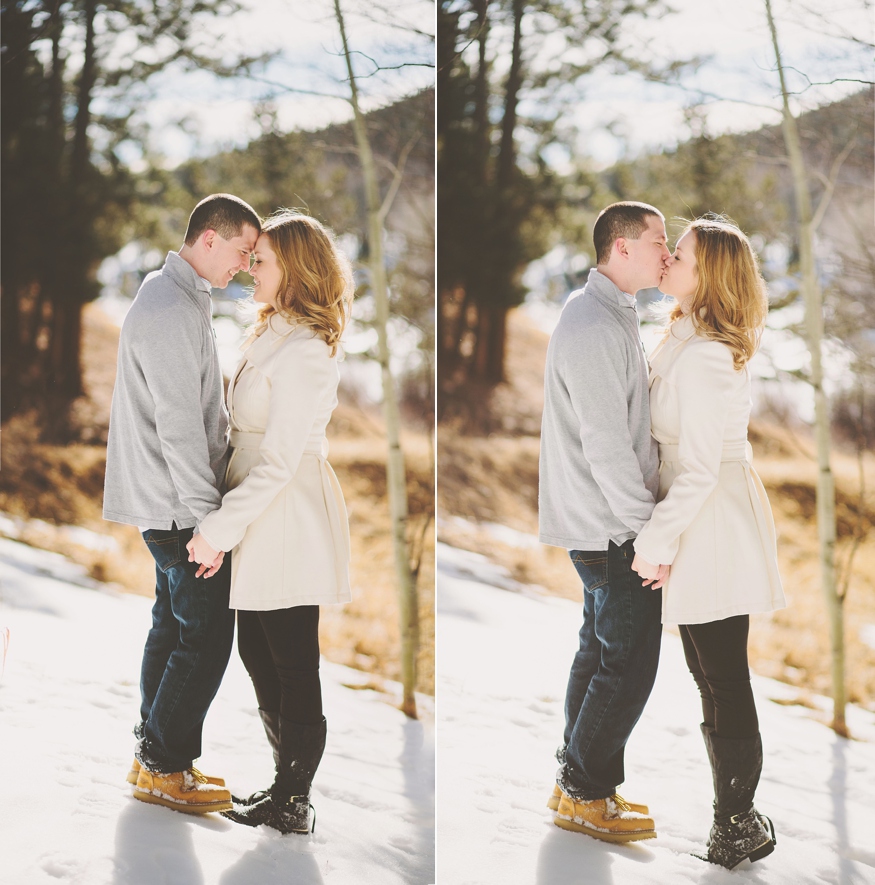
{"x": 649, "y": 255}
{"x": 228, "y": 257}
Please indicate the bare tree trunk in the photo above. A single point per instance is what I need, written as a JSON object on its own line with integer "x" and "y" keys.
{"x": 395, "y": 471}
{"x": 813, "y": 299}
{"x": 488, "y": 361}
{"x": 507, "y": 149}
{"x": 69, "y": 296}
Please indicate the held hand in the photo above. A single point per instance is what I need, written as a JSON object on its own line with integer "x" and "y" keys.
{"x": 649, "y": 572}
{"x": 200, "y": 551}
{"x": 209, "y": 571}
{"x": 662, "y": 577}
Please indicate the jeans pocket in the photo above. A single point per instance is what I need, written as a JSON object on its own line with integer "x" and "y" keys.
{"x": 164, "y": 547}
{"x": 592, "y": 566}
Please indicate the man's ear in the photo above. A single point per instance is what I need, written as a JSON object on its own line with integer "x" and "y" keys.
{"x": 208, "y": 237}
{"x": 621, "y": 247}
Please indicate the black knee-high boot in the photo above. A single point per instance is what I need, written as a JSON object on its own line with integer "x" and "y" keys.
{"x": 286, "y": 805}
{"x": 739, "y": 830}
{"x": 271, "y": 723}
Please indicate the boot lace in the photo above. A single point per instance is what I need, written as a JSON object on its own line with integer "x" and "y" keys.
{"x": 621, "y": 803}
{"x": 197, "y": 775}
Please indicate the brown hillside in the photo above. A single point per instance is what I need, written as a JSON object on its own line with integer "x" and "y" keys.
{"x": 63, "y": 486}
{"x": 493, "y": 478}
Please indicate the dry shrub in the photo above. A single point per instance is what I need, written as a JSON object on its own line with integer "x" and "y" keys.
{"x": 365, "y": 633}
{"x": 493, "y": 479}
{"x": 63, "y": 485}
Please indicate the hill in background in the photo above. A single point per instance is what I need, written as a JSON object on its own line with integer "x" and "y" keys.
{"x": 488, "y": 503}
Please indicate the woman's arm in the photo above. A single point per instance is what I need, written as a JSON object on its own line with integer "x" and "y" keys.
{"x": 704, "y": 378}
{"x": 298, "y": 382}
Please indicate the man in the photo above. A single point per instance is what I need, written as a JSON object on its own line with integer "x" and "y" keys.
{"x": 165, "y": 465}
{"x": 598, "y": 483}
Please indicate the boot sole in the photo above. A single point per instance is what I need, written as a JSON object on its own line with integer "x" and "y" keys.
{"x": 133, "y": 775}
{"x": 757, "y": 854}
{"x": 241, "y": 819}
{"x": 553, "y": 805}
{"x": 762, "y": 851}
{"x": 200, "y": 808}
{"x": 633, "y": 836}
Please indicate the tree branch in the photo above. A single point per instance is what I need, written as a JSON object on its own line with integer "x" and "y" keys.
{"x": 292, "y": 89}
{"x": 829, "y": 184}
{"x": 396, "y": 178}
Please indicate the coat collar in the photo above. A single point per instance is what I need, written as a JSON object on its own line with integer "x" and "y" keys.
{"x": 677, "y": 335}
{"x": 257, "y": 348}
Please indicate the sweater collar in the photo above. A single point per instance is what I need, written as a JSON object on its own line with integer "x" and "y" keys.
{"x": 607, "y": 291}
{"x": 184, "y": 274}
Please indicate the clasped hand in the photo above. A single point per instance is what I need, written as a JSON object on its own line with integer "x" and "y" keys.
{"x": 652, "y": 575}
{"x": 200, "y": 551}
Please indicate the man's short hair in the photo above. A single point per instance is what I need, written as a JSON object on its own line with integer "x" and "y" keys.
{"x": 223, "y": 213}
{"x": 627, "y": 219}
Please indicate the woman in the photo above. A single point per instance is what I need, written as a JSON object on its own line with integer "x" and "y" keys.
{"x": 712, "y": 522}
{"x": 284, "y": 515}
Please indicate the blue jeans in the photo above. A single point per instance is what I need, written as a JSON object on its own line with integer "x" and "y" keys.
{"x": 186, "y": 653}
{"x": 612, "y": 673}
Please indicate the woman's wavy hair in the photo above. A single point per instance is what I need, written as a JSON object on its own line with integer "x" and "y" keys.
{"x": 730, "y": 302}
{"x": 316, "y": 287}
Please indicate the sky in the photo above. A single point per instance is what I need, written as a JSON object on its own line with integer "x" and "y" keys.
{"x": 621, "y": 114}
{"x": 196, "y": 113}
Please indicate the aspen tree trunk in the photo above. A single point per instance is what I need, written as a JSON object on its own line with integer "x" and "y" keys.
{"x": 813, "y": 299}
{"x": 395, "y": 472}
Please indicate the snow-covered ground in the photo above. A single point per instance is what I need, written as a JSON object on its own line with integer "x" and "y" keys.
{"x": 503, "y": 660}
{"x": 68, "y": 699}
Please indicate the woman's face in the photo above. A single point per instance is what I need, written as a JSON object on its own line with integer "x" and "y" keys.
{"x": 681, "y": 275}
{"x": 266, "y": 272}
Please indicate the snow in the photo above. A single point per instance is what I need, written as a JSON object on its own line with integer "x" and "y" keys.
{"x": 15, "y": 527}
{"x": 68, "y": 699}
{"x": 503, "y": 660}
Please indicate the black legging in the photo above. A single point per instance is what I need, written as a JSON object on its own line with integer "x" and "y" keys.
{"x": 716, "y": 654}
{"x": 280, "y": 650}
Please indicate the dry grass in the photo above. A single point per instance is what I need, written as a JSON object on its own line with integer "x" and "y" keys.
{"x": 493, "y": 479}
{"x": 64, "y": 486}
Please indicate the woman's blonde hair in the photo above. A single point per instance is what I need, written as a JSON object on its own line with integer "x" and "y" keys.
{"x": 730, "y": 302}
{"x": 316, "y": 287}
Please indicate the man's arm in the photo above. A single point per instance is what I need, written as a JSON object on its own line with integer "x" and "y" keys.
{"x": 593, "y": 368}
{"x": 169, "y": 355}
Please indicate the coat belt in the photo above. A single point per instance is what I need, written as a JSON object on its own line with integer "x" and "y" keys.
{"x": 740, "y": 451}
{"x": 246, "y": 439}
{"x": 331, "y": 491}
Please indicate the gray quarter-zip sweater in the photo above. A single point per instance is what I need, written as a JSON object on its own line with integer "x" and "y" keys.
{"x": 599, "y": 464}
{"x": 168, "y": 429}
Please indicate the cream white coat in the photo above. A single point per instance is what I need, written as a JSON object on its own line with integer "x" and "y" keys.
{"x": 712, "y": 522}
{"x": 284, "y": 517}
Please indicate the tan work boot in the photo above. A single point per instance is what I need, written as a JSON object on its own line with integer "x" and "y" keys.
{"x": 186, "y": 791}
{"x": 608, "y": 819}
{"x": 134, "y": 773}
{"x": 553, "y": 802}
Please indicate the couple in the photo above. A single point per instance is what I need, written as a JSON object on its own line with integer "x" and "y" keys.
{"x": 653, "y": 494}
{"x": 282, "y": 514}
